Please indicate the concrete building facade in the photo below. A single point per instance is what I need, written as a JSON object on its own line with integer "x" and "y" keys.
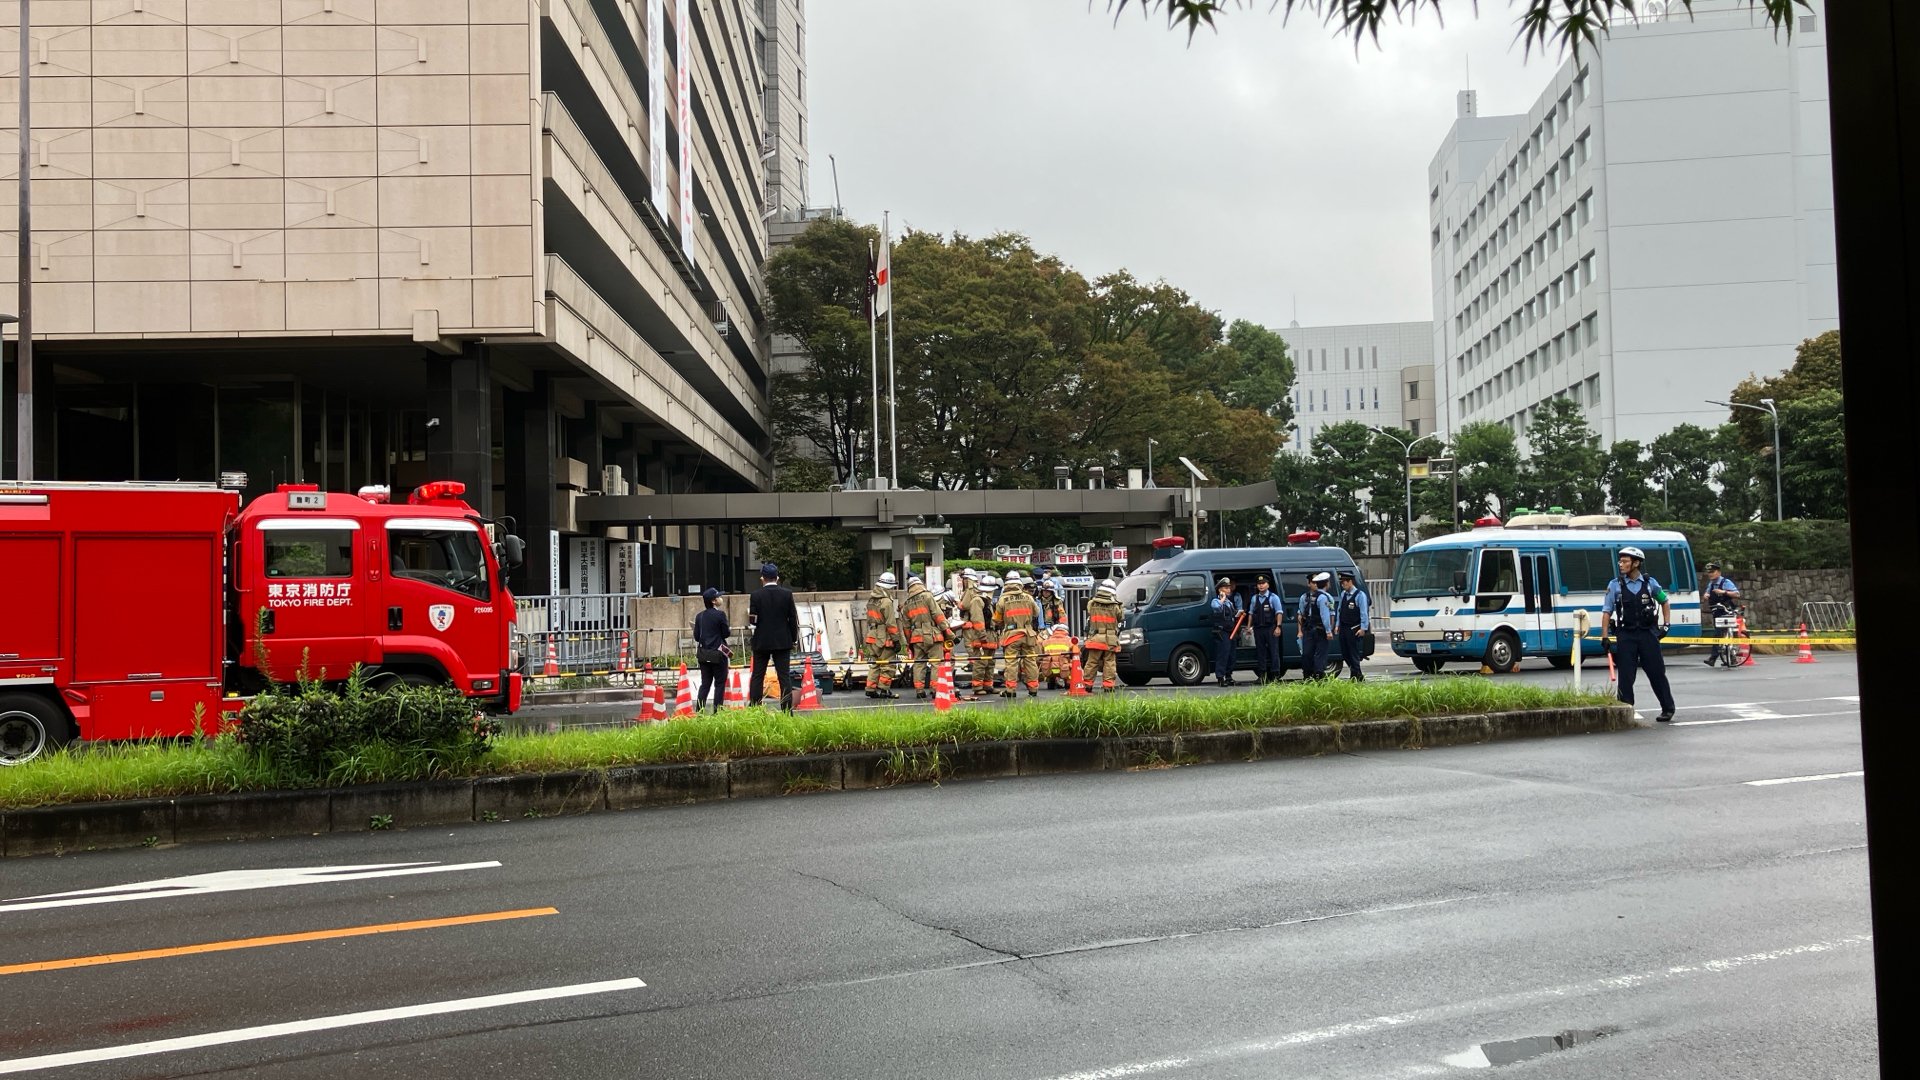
{"x": 783, "y": 62}
{"x": 376, "y": 241}
{"x": 1379, "y": 374}
{"x": 1654, "y": 228}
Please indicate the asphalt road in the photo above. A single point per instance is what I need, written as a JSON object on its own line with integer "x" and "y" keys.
{"x": 1363, "y": 915}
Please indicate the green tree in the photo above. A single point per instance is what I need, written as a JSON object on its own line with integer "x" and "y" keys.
{"x": 1263, "y": 372}
{"x": 1813, "y": 477}
{"x": 1682, "y": 462}
{"x": 810, "y": 556}
{"x": 1624, "y": 472}
{"x": 816, "y": 292}
{"x": 1563, "y": 466}
{"x": 1488, "y": 457}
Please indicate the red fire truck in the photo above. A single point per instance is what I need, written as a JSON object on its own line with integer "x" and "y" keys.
{"x": 128, "y": 609}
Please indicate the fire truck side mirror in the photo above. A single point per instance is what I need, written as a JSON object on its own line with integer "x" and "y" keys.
{"x": 513, "y": 551}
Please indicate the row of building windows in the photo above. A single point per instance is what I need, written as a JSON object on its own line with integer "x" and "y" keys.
{"x": 1559, "y": 175}
{"x": 1562, "y": 230}
{"x": 1528, "y": 154}
{"x": 1583, "y": 334}
{"x": 1581, "y": 393}
{"x": 1562, "y": 289}
{"x": 1347, "y": 358}
{"x": 1324, "y": 407}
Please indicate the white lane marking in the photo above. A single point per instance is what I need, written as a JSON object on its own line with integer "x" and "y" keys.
{"x": 231, "y": 881}
{"x": 1775, "y": 716}
{"x": 1855, "y": 698}
{"x": 318, "y": 1023}
{"x": 1457, "y": 1010}
{"x": 1803, "y": 779}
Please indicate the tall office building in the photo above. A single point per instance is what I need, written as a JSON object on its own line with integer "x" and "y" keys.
{"x": 783, "y": 60}
{"x": 1654, "y": 228}
{"x": 375, "y": 241}
{"x": 1379, "y": 374}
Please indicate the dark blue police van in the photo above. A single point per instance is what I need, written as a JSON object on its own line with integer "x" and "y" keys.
{"x": 1168, "y": 629}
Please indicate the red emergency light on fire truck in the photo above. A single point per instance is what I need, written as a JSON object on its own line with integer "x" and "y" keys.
{"x": 129, "y": 606}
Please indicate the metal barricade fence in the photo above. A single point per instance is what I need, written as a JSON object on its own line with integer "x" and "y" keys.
{"x": 1829, "y": 616}
{"x": 578, "y": 634}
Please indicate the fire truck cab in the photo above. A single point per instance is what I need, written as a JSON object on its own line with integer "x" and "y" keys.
{"x": 144, "y": 610}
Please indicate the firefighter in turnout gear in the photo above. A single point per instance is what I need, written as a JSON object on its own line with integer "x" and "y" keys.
{"x": 976, "y": 612}
{"x": 882, "y": 638}
{"x": 1102, "y": 644}
{"x": 1018, "y": 618}
{"x": 926, "y": 631}
{"x": 1051, "y": 596}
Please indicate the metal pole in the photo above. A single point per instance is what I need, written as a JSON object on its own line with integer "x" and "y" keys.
{"x": 873, "y": 338}
{"x": 1779, "y": 511}
{"x": 893, "y": 414}
{"x": 23, "y": 356}
{"x": 1406, "y": 469}
{"x": 1149, "y": 461}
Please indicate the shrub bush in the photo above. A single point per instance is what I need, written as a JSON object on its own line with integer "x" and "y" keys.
{"x": 312, "y": 734}
{"x": 1768, "y": 545}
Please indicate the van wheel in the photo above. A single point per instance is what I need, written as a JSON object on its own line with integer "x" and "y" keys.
{"x": 1187, "y": 667}
{"x": 1503, "y": 652}
{"x": 1427, "y": 665}
{"x": 29, "y": 727}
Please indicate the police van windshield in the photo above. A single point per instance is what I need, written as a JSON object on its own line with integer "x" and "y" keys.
{"x": 449, "y": 556}
{"x": 1137, "y": 588}
{"x": 1430, "y": 573}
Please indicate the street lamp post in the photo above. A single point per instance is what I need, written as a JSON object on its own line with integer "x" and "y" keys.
{"x": 1779, "y": 506}
{"x": 1406, "y": 469}
{"x": 1151, "y": 442}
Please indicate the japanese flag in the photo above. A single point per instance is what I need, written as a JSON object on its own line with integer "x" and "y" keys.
{"x": 883, "y": 278}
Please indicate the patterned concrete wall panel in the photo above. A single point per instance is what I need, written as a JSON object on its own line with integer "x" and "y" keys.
{"x": 241, "y": 203}
{"x": 327, "y": 50}
{"x": 337, "y": 255}
{"x": 399, "y": 299}
{"x": 236, "y": 100}
{"x": 333, "y": 305}
{"x": 58, "y": 154}
{"x": 139, "y": 49}
{"x": 501, "y": 148}
{"x": 57, "y": 256}
{"x": 49, "y": 13}
{"x": 426, "y": 253}
{"x": 501, "y": 99}
{"x": 139, "y": 12}
{"x": 65, "y": 102}
{"x": 139, "y": 152}
{"x": 499, "y": 11}
{"x": 422, "y": 50}
{"x": 140, "y": 256}
{"x": 212, "y": 13}
{"x": 329, "y": 203}
{"x": 504, "y": 303}
{"x": 407, "y": 100}
{"x": 503, "y": 251}
{"x": 238, "y": 254}
{"x": 62, "y": 307}
{"x": 422, "y": 11}
{"x": 502, "y": 200}
{"x": 331, "y": 151}
{"x": 500, "y": 50}
{"x": 239, "y": 305}
{"x": 143, "y": 307}
{"x": 58, "y": 205}
{"x": 141, "y": 101}
{"x": 235, "y": 152}
{"x": 426, "y": 200}
{"x": 57, "y": 50}
{"x": 329, "y": 100}
{"x": 424, "y": 151}
{"x": 134, "y": 205}
{"x": 326, "y": 12}
{"x": 233, "y": 50}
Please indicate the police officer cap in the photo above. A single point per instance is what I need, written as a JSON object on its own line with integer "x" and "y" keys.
{"x": 1323, "y": 577}
{"x": 1713, "y": 566}
{"x": 888, "y": 581}
{"x": 1223, "y": 582}
{"x": 1346, "y": 575}
{"x": 710, "y": 594}
{"x": 1262, "y": 580}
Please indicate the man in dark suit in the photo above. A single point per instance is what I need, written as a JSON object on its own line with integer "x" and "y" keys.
{"x": 775, "y": 622}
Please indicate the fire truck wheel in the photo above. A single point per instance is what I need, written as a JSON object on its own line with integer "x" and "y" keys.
{"x": 30, "y": 726}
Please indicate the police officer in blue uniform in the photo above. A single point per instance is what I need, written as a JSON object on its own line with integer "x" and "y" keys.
{"x": 1639, "y": 608}
{"x": 1263, "y": 611}
{"x": 1723, "y": 598}
{"x": 1225, "y": 611}
{"x": 1352, "y": 617}
{"x": 1316, "y": 626}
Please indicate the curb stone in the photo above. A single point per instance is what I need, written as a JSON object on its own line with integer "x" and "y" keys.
{"x": 138, "y": 822}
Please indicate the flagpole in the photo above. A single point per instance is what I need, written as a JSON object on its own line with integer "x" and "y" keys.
{"x": 873, "y": 339}
{"x": 893, "y": 416}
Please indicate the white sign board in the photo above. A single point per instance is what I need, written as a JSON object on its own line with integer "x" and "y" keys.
{"x": 657, "y": 105}
{"x": 683, "y": 68}
{"x": 553, "y": 562}
{"x": 627, "y": 561}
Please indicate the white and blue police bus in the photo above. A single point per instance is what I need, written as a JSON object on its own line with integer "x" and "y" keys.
{"x": 1502, "y": 592}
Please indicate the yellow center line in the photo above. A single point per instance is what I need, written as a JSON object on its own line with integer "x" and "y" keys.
{"x": 276, "y": 939}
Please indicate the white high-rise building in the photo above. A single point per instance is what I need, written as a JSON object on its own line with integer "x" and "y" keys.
{"x": 1656, "y": 227}
{"x": 1379, "y": 374}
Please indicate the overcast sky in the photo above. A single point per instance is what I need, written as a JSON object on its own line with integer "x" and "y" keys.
{"x": 1260, "y": 164}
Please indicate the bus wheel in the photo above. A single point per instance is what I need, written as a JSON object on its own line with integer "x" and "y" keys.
{"x": 1427, "y": 665}
{"x": 1503, "y": 652}
{"x": 1187, "y": 667}
{"x": 29, "y": 727}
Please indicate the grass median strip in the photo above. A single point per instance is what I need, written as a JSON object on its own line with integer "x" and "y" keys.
{"x": 220, "y": 765}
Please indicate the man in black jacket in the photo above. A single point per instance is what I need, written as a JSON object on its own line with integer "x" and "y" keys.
{"x": 775, "y": 622}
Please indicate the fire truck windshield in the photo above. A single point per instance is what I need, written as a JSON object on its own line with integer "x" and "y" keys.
{"x": 449, "y": 556}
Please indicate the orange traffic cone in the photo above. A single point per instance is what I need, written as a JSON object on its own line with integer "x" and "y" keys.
{"x": 943, "y": 687}
{"x": 625, "y": 640}
{"x": 736, "y": 688}
{"x": 656, "y": 699}
{"x": 683, "y": 697}
{"x": 1806, "y": 648}
{"x": 1741, "y": 622}
{"x": 1077, "y": 686}
{"x": 553, "y": 661}
{"x": 646, "y": 714}
{"x": 809, "y": 690}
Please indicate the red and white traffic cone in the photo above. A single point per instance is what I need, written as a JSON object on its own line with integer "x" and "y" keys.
{"x": 552, "y": 667}
{"x": 1077, "y": 684}
{"x": 809, "y": 690}
{"x": 683, "y": 697}
{"x": 1806, "y": 648}
{"x": 647, "y": 690}
{"x": 1741, "y": 624}
{"x": 943, "y": 687}
{"x": 656, "y": 698}
{"x": 625, "y": 644}
{"x": 736, "y": 688}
